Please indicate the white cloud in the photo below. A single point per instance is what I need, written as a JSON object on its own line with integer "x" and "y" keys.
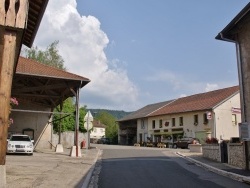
{"x": 166, "y": 77}
{"x": 82, "y": 44}
{"x": 211, "y": 87}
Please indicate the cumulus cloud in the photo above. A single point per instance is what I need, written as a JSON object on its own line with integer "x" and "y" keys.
{"x": 82, "y": 44}
{"x": 211, "y": 87}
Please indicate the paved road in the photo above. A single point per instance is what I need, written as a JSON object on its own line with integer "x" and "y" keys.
{"x": 135, "y": 167}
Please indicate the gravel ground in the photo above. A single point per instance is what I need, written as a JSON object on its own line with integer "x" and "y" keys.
{"x": 49, "y": 169}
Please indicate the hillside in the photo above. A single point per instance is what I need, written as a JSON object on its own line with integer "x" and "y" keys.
{"x": 118, "y": 114}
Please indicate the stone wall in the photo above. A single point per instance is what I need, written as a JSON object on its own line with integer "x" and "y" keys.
{"x": 211, "y": 151}
{"x": 67, "y": 139}
{"x": 236, "y": 155}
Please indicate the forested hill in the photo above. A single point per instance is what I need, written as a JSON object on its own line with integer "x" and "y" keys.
{"x": 118, "y": 114}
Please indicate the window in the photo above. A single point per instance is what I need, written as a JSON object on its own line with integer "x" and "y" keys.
{"x": 234, "y": 119}
{"x": 153, "y": 124}
{"x": 142, "y": 124}
{"x": 196, "y": 119}
{"x": 173, "y": 122}
{"x": 95, "y": 130}
{"x": 160, "y": 123}
{"x": 166, "y": 124}
{"x": 181, "y": 121}
{"x": 205, "y": 120}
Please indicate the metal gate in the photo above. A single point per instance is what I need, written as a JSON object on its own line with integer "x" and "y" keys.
{"x": 224, "y": 152}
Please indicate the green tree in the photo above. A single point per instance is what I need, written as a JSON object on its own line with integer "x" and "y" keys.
{"x": 67, "y": 121}
{"x": 82, "y": 113}
{"x": 50, "y": 56}
{"x": 111, "y": 125}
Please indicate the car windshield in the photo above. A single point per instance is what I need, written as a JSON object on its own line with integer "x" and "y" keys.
{"x": 20, "y": 138}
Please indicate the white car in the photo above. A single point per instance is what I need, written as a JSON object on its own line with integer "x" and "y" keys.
{"x": 20, "y": 144}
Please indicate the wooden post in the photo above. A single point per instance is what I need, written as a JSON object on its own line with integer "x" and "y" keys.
{"x": 12, "y": 24}
{"x": 6, "y": 75}
{"x": 60, "y": 124}
{"x": 77, "y": 122}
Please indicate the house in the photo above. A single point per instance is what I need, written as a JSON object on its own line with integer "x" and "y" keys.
{"x": 215, "y": 113}
{"x": 211, "y": 114}
{"x": 237, "y": 31}
{"x": 98, "y": 131}
{"x": 133, "y": 127}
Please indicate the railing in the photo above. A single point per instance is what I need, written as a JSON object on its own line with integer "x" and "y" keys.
{"x": 14, "y": 13}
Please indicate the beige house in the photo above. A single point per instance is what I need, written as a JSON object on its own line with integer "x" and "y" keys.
{"x": 211, "y": 114}
{"x": 98, "y": 131}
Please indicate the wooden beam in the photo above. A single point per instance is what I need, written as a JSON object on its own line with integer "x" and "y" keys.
{"x": 38, "y": 88}
{"x": 6, "y": 75}
{"x": 35, "y": 95}
{"x": 16, "y": 15}
{"x": 12, "y": 24}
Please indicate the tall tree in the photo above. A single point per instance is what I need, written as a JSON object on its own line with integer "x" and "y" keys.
{"x": 111, "y": 130}
{"x": 50, "y": 56}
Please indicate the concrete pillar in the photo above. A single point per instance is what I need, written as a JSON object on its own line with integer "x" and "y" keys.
{"x": 73, "y": 151}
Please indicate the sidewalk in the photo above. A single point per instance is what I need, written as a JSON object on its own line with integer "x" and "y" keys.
{"x": 46, "y": 169}
{"x": 217, "y": 167}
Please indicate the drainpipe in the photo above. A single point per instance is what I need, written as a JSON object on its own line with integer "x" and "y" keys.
{"x": 242, "y": 96}
{"x": 214, "y": 125}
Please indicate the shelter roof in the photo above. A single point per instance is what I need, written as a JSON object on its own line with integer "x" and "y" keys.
{"x": 44, "y": 85}
{"x": 34, "y": 68}
{"x": 228, "y": 33}
{"x": 35, "y": 14}
{"x": 198, "y": 102}
{"x": 145, "y": 111}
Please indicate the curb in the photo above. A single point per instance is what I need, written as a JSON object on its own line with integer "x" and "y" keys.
{"x": 231, "y": 175}
{"x": 89, "y": 175}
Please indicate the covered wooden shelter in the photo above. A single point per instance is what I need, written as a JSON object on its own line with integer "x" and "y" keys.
{"x": 40, "y": 84}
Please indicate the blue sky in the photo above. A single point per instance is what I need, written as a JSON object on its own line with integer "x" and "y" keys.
{"x": 141, "y": 52}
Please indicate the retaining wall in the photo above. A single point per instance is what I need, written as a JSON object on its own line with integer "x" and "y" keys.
{"x": 236, "y": 155}
{"x": 211, "y": 151}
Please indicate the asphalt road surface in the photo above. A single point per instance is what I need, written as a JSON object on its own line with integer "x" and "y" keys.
{"x": 140, "y": 167}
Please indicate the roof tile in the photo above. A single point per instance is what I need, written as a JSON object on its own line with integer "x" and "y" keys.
{"x": 197, "y": 102}
{"x": 32, "y": 67}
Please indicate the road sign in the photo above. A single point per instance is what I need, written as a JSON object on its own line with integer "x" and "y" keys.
{"x": 88, "y": 117}
{"x": 88, "y": 125}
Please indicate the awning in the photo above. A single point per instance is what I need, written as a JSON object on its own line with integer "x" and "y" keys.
{"x": 168, "y": 133}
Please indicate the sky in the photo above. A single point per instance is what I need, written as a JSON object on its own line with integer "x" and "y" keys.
{"x": 142, "y": 52}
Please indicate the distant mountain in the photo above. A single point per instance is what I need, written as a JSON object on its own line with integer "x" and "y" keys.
{"x": 118, "y": 114}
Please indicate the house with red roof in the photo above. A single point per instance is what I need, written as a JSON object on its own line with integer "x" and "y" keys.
{"x": 98, "y": 131}
{"x": 211, "y": 114}
{"x": 134, "y": 127}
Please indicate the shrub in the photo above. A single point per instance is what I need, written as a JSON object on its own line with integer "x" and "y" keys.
{"x": 212, "y": 141}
